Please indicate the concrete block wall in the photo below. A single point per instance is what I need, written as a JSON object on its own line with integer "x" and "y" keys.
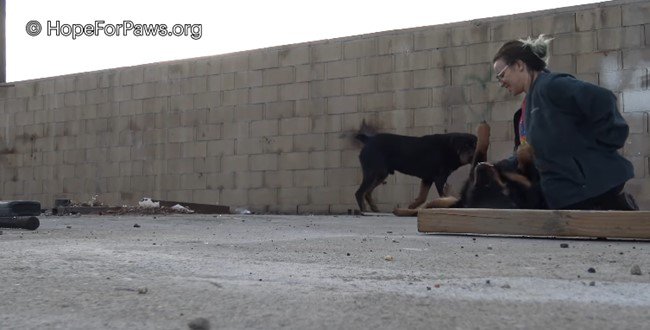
{"x": 270, "y": 129}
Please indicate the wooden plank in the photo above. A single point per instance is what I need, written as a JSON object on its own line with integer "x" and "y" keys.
{"x": 613, "y": 224}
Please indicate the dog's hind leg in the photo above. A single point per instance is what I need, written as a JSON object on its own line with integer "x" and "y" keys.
{"x": 379, "y": 180}
{"x": 369, "y": 182}
{"x": 425, "y": 186}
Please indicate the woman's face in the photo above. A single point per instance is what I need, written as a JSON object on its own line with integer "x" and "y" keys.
{"x": 511, "y": 77}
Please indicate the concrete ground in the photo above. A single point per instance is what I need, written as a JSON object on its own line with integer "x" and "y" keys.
{"x": 310, "y": 272}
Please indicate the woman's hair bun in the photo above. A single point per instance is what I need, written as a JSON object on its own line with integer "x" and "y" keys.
{"x": 539, "y": 46}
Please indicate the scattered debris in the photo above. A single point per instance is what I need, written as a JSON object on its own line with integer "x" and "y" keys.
{"x": 0, "y": 232}
{"x": 147, "y": 202}
{"x": 69, "y": 227}
{"x": 591, "y": 270}
{"x": 592, "y": 283}
{"x": 564, "y": 245}
{"x": 199, "y": 323}
{"x": 505, "y": 286}
{"x": 136, "y": 226}
{"x": 388, "y": 258}
{"x": 241, "y": 210}
{"x": 636, "y": 270}
{"x": 142, "y": 290}
{"x": 182, "y": 209}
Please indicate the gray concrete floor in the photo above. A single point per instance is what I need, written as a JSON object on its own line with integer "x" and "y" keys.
{"x": 310, "y": 272}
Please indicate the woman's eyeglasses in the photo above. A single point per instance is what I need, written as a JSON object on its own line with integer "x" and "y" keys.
{"x": 502, "y": 73}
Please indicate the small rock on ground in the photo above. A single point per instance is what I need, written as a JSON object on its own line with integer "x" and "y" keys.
{"x": 199, "y": 323}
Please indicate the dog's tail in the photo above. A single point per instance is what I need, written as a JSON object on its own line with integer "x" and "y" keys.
{"x": 362, "y": 137}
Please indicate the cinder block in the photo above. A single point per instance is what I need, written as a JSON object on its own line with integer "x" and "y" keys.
{"x": 397, "y": 43}
{"x": 342, "y": 104}
{"x": 221, "y": 180}
{"x": 294, "y": 55}
{"x": 221, "y": 82}
{"x": 207, "y": 165}
{"x": 263, "y": 59}
{"x": 503, "y": 111}
{"x": 338, "y": 177}
{"x": 574, "y": 43}
{"x": 86, "y": 81}
{"x": 324, "y": 195}
{"x": 396, "y": 119}
{"x": 510, "y": 29}
{"x": 637, "y": 145}
{"x": 74, "y": 99}
{"x": 264, "y": 162}
{"x": 380, "y": 101}
{"x": 193, "y": 117}
{"x": 192, "y": 181}
{"x": 635, "y": 101}
{"x": 470, "y": 33}
{"x": 264, "y": 128}
{"x": 325, "y": 88}
{"x": 334, "y": 141}
{"x": 412, "y": 61}
{"x": 324, "y": 159}
{"x": 326, "y": 124}
{"x": 207, "y": 100}
{"x": 262, "y": 197}
{"x": 194, "y": 149}
{"x": 360, "y": 48}
{"x": 326, "y": 52}
{"x": 277, "y": 110}
{"x": 277, "y": 144}
{"x": 278, "y": 179}
{"x": 25, "y": 89}
{"x": 310, "y": 72}
{"x": 214, "y": 65}
{"x": 248, "y": 180}
{"x": 436, "y": 37}
{"x": 470, "y": 74}
{"x": 308, "y": 142}
{"x": 178, "y": 70}
{"x": 293, "y": 126}
{"x": 70, "y": 185}
{"x": 482, "y": 53}
{"x": 394, "y": 81}
{"x": 117, "y": 94}
{"x": 22, "y": 119}
{"x": 245, "y": 79}
{"x": 167, "y": 88}
{"x": 95, "y": 96}
{"x": 342, "y": 69}
{"x": 429, "y": 116}
{"x": 248, "y": 146}
{"x": 375, "y": 65}
{"x": 172, "y": 151}
{"x": 249, "y": 112}
{"x": 233, "y": 97}
{"x": 207, "y": 196}
{"x": 409, "y": 99}
{"x": 283, "y": 75}
{"x": 235, "y": 130}
{"x": 223, "y": 114}
{"x": 563, "y": 63}
{"x": 636, "y": 13}
{"x": 264, "y": 94}
{"x": 351, "y": 122}
{"x": 130, "y": 168}
{"x": 181, "y": 134}
{"x": 234, "y": 63}
{"x": 598, "y": 18}
{"x": 309, "y": 178}
{"x": 599, "y": 62}
{"x": 119, "y": 154}
{"x": 194, "y": 85}
{"x": 635, "y": 58}
{"x": 624, "y": 80}
{"x": 154, "y": 72}
{"x": 624, "y": 37}
{"x": 360, "y": 85}
{"x": 637, "y": 121}
{"x": 234, "y": 198}
{"x": 555, "y": 23}
{"x": 43, "y": 87}
{"x": 500, "y": 150}
{"x": 446, "y": 57}
{"x": 293, "y": 196}
{"x": 131, "y": 75}
{"x": 431, "y": 78}
{"x": 180, "y": 166}
{"x": 130, "y": 107}
{"x": 62, "y": 84}
{"x": 291, "y": 92}
{"x": 294, "y": 161}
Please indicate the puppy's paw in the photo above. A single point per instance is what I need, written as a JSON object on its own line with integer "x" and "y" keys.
{"x": 405, "y": 212}
{"x": 443, "y": 202}
{"x": 483, "y": 134}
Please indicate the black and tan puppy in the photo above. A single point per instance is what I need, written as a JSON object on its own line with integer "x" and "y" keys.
{"x": 497, "y": 186}
{"x": 431, "y": 158}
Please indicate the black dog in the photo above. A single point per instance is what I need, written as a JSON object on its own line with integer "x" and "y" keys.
{"x": 431, "y": 158}
{"x": 500, "y": 185}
